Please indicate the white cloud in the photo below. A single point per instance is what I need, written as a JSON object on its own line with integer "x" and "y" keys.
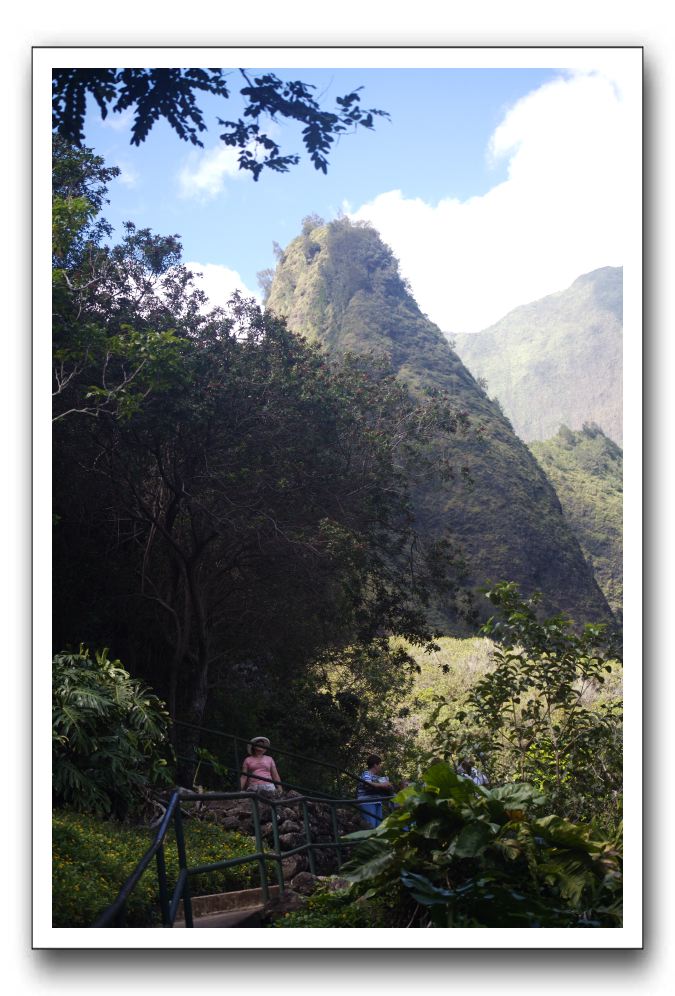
{"x": 128, "y": 177}
{"x": 204, "y": 173}
{"x": 119, "y": 120}
{"x": 573, "y": 149}
{"x": 219, "y": 283}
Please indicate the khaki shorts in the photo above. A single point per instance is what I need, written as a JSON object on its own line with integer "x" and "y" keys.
{"x": 261, "y": 788}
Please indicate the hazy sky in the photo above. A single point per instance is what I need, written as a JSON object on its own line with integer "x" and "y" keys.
{"x": 492, "y": 186}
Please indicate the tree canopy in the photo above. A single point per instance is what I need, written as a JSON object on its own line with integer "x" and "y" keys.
{"x": 171, "y": 94}
{"x": 226, "y": 496}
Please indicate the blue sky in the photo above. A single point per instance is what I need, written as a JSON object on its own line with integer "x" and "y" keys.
{"x": 493, "y": 186}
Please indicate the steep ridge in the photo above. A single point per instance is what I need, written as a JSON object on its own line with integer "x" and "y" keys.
{"x": 339, "y": 284}
{"x": 586, "y": 469}
{"x": 556, "y": 361}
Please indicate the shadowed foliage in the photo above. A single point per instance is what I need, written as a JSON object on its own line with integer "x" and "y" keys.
{"x": 170, "y": 94}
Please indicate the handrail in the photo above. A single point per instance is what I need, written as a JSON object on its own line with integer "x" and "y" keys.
{"x": 113, "y": 915}
{"x": 277, "y": 750}
{"x": 262, "y": 778}
{"x": 117, "y": 906}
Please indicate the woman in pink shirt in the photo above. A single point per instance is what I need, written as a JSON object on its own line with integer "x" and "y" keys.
{"x": 257, "y": 767}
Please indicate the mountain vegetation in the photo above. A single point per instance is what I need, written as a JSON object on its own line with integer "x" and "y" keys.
{"x": 338, "y": 285}
{"x": 586, "y": 469}
{"x": 556, "y": 361}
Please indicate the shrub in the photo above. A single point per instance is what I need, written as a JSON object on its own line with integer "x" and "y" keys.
{"x": 109, "y": 735}
{"x": 328, "y": 907}
{"x": 528, "y": 718}
{"x": 468, "y": 856}
{"x": 92, "y": 859}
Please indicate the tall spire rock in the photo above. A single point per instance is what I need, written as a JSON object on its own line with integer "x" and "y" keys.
{"x": 338, "y": 284}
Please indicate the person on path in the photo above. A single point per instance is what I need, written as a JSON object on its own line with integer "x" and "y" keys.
{"x": 259, "y": 772}
{"x": 467, "y": 769}
{"x": 373, "y": 788}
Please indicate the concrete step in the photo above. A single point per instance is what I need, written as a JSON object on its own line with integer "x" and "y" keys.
{"x": 229, "y": 909}
{"x": 235, "y": 918}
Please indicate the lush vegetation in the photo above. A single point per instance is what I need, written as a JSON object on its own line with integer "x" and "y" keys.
{"x": 338, "y": 284}
{"x": 528, "y": 718}
{"x": 528, "y": 711}
{"x": 350, "y": 700}
{"x": 557, "y": 361}
{"x": 267, "y": 525}
{"x": 456, "y": 854}
{"x": 93, "y": 858}
{"x": 435, "y": 720}
{"x": 232, "y": 507}
{"x": 109, "y": 735}
{"x": 586, "y": 469}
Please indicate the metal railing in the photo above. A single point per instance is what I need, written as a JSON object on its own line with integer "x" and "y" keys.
{"x": 114, "y": 915}
{"x": 340, "y": 776}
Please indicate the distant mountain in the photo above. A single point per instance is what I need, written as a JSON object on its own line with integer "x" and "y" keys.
{"x": 557, "y": 361}
{"x": 586, "y": 469}
{"x": 339, "y": 284}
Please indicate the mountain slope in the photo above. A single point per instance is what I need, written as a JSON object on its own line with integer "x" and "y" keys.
{"x": 586, "y": 469}
{"x": 339, "y": 284}
{"x": 556, "y": 361}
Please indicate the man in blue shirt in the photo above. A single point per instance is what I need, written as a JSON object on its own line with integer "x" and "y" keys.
{"x": 373, "y": 788}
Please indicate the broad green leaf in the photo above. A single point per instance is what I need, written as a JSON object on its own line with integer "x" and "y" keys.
{"x": 556, "y": 830}
{"x": 423, "y": 891}
{"x": 371, "y": 859}
{"x": 472, "y": 840}
{"x": 513, "y": 795}
{"x": 442, "y": 778}
{"x": 448, "y": 784}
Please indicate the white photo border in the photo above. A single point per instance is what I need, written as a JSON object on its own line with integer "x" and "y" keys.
{"x": 602, "y": 59}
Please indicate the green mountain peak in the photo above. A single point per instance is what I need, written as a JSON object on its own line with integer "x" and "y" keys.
{"x": 557, "y": 361}
{"x": 339, "y": 284}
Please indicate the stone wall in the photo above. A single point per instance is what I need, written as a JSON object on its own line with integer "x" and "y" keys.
{"x": 236, "y": 814}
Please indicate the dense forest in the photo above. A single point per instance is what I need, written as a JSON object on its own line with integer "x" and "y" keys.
{"x": 586, "y": 469}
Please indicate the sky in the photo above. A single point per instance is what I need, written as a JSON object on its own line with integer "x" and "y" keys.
{"x": 493, "y": 186}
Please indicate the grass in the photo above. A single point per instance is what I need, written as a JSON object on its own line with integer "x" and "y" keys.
{"x": 92, "y": 858}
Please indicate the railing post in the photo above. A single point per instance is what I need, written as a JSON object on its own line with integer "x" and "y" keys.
{"x": 237, "y": 764}
{"x": 259, "y": 847}
{"x": 308, "y": 835}
{"x": 277, "y": 849}
{"x": 336, "y": 834}
{"x": 163, "y": 888}
{"x": 182, "y": 864}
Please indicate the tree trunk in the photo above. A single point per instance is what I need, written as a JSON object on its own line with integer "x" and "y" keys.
{"x": 189, "y": 738}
